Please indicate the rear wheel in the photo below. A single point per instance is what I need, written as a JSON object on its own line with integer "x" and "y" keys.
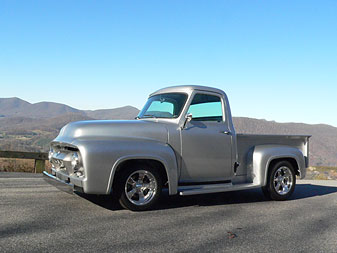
{"x": 139, "y": 188}
{"x": 281, "y": 181}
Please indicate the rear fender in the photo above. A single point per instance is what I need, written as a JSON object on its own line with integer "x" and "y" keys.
{"x": 263, "y": 155}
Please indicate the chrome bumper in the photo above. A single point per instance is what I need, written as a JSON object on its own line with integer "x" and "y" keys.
{"x": 63, "y": 180}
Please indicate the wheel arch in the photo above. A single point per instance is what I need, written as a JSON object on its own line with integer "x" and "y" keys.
{"x": 169, "y": 178}
{"x": 291, "y": 160}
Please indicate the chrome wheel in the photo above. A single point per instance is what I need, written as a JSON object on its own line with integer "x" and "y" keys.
{"x": 141, "y": 187}
{"x": 283, "y": 180}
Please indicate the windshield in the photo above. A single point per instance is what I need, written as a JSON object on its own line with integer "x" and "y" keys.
{"x": 167, "y": 105}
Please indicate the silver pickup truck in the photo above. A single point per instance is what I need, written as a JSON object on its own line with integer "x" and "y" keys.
{"x": 183, "y": 140}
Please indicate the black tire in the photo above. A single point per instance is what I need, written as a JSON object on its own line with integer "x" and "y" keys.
{"x": 281, "y": 181}
{"x": 130, "y": 182}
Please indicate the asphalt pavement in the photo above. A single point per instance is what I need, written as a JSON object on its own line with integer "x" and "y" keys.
{"x": 36, "y": 216}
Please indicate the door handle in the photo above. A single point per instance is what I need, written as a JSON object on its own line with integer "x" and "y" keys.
{"x": 226, "y": 132}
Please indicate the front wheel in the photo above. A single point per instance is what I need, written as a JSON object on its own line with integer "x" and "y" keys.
{"x": 281, "y": 181}
{"x": 139, "y": 188}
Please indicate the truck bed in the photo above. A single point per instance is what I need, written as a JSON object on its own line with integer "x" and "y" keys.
{"x": 247, "y": 142}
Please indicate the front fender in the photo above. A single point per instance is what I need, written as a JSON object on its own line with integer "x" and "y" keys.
{"x": 263, "y": 155}
{"x": 162, "y": 153}
{"x": 102, "y": 157}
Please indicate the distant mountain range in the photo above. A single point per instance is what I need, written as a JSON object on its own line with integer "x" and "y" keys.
{"x": 30, "y": 127}
{"x": 16, "y": 107}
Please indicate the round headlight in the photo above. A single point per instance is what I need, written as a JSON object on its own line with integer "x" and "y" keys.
{"x": 50, "y": 154}
{"x": 74, "y": 160}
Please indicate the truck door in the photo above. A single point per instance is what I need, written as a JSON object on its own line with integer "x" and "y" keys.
{"x": 206, "y": 141}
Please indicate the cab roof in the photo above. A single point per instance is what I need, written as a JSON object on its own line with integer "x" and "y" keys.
{"x": 188, "y": 89}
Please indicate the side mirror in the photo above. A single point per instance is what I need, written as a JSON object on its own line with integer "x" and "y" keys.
{"x": 188, "y": 118}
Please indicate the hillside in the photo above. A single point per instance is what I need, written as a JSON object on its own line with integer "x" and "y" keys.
{"x": 126, "y": 112}
{"x": 30, "y": 127}
{"x": 16, "y": 107}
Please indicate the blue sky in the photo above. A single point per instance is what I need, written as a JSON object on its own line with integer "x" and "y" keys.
{"x": 276, "y": 60}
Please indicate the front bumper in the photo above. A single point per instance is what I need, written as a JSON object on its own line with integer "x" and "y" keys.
{"x": 64, "y": 180}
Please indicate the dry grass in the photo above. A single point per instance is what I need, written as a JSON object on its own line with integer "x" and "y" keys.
{"x": 322, "y": 173}
{"x": 19, "y": 165}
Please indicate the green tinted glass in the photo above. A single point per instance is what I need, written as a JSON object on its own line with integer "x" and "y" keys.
{"x": 161, "y": 109}
{"x": 206, "y": 108}
{"x": 168, "y": 105}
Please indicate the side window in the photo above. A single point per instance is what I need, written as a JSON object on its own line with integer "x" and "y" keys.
{"x": 206, "y": 108}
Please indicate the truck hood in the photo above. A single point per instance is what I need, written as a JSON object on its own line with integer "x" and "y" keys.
{"x": 108, "y": 129}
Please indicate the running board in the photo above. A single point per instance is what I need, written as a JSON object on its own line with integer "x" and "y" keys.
{"x": 213, "y": 188}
